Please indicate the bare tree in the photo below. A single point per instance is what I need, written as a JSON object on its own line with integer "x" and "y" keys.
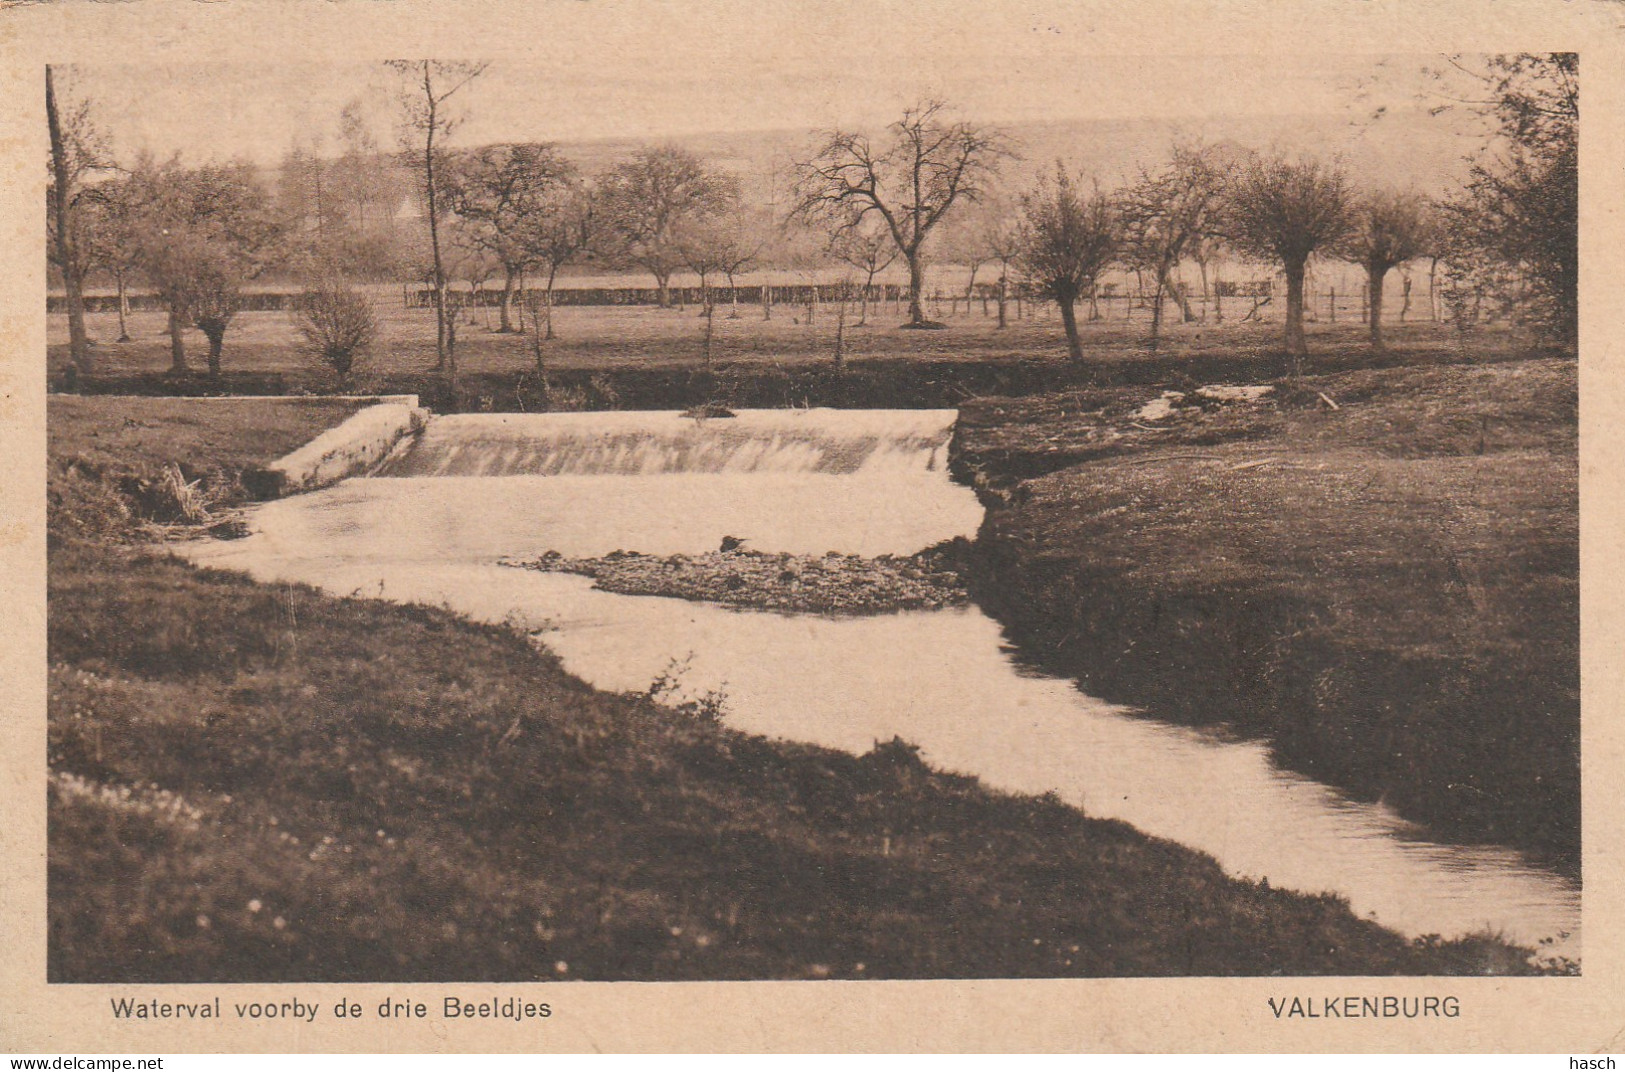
{"x": 111, "y": 216}
{"x": 1165, "y": 216}
{"x": 427, "y": 120}
{"x": 1390, "y": 229}
{"x": 929, "y": 165}
{"x": 362, "y": 176}
{"x": 870, "y": 250}
{"x": 561, "y": 233}
{"x": 305, "y": 197}
{"x": 706, "y": 248}
{"x": 1285, "y": 210}
{"x": 1070, "y": 239}
{"x": 962, "y": 241}
{"x": 74, "y": 151}
{"x": 1005, "y": 237}
{"x": 651, "y": 200}
{"x": 724, "y": 245}
{"x": 506, "y": 192}
{"x": 741, "y": 242}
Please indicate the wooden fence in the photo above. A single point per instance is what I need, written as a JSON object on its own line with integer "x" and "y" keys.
{"x": 1258, "y": 299}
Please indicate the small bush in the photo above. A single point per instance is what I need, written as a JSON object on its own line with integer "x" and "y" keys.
{"x": 338, "y": 323}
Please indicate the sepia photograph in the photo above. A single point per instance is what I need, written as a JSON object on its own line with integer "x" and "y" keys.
{"x": 953, "y": 514}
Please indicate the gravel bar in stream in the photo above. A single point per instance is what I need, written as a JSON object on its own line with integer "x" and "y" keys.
{"x": 823, "y": 584}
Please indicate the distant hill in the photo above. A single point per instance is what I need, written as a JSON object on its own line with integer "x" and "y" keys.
{"x": 1402, "y": 149}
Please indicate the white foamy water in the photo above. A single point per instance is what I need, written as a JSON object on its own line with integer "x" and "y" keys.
{"x": 630, "y": 443}
{"x": 941, "y": 679}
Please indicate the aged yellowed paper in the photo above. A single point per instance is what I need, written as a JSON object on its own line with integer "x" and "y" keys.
{"x": 660, "y": 903}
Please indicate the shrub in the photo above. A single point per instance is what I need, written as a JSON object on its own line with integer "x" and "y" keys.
{"x": 338, "y": 323}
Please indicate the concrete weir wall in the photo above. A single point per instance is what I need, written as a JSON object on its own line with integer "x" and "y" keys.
{"x": 353, "y": 447}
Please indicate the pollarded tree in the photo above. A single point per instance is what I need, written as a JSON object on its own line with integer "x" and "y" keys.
{"x": 1284, "y": 211}
{"x": 1390, "y": 229}
{"x": 507, "y": 192}
{"x": 929, "y": 165}
{"x": 202, "y": 233}
{"x": 1069, "y": 238}
{"x": 338, "y": 323}
{"x": 650, "y": 201}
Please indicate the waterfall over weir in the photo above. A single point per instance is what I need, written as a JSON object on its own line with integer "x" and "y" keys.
{"x": 649, "y": 444}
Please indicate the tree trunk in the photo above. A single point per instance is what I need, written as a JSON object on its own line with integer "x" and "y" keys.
{"x": 442, "y": 326}
{"x": 710, "y": 311}
{"x": 1004, "y": 297}
{"x": 1156, "y": 317}
{"x": 67, "y": 255}
{"x": 1201, "y": 266}
{"x": 1433, "y": 290}
{"x": 1406, "y": 306}
{"x": 177, "y": 344}
{"x": 1069, "y": 319}
{"x": 217, "y": 342}
{"x": 1178, "y": 294}
{"x": 916, "y": 287}
{"x": 442, "y": 341}
{"x": 123, "y": 305}
{"x": 767, "y": 301}
{"x": 840, "y": 331}
{"x": 1374, "y": 275}
{"x": 663, "y": 289}
{"x": 506, "y": 327}
{"x": 537, "y": 337}
{"x": 451, "y": 340}
{"x": 1296, "y": 345}
{"x": 547, "y": 304}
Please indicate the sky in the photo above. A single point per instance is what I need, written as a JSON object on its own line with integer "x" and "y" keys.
{"x": 259, "y": 110}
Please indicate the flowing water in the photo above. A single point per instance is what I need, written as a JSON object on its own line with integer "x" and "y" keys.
{"x": 433, "y": 523}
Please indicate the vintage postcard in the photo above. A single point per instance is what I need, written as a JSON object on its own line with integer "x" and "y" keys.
{"x": 895, "y": 526}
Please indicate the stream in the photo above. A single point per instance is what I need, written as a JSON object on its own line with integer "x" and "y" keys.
{"x": 432, "y": 524}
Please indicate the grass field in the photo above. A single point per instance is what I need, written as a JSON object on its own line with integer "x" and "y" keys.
{"x": 611, "y": 338}
{"x": 262, "y": 782}
{"x": 1388, "y": 591}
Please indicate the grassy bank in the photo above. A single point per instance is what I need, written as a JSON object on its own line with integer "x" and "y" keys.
{"x": 641, "y": 358}
{"x": 262, "y": 782}
{"x": 1387, "y": 590}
